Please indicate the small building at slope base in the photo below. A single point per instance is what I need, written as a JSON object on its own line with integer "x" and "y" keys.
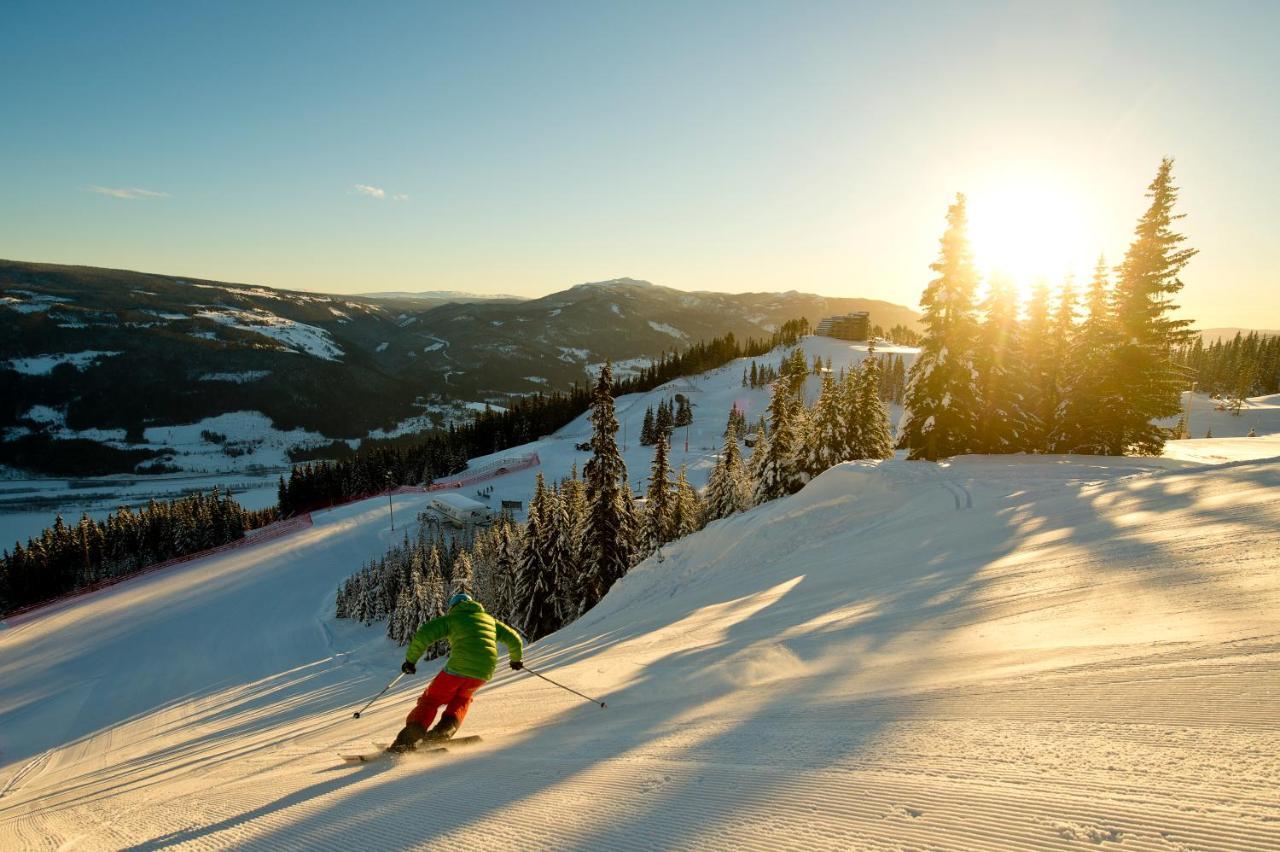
{"x": 460, "y": 510}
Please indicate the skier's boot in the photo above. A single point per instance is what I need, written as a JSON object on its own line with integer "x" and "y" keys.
{"x": 407, "y": 738}
{"x": 444, "y": 729}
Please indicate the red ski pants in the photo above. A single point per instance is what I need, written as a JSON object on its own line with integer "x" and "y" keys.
{"x": 451, "y": 691}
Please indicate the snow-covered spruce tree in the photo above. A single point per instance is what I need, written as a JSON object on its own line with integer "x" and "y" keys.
{"x": 647, "y": 429}
{"x": 726, "y": 488}
{"x": 482, "y": 567}
{"x": 1149, "y": 380}
{"x": 779, "y": 472}
{"x": 400, "y": 627}
{"x": 1002, "y": 419}
{"x": 608, "y": 537}
{"x": 433, "y": 600}
{"x": 755, "y": 464}
{"x": 664, "y": 422}
{"x": 574, "y": 495}
{"x": 793, "y": 372}
{"x": 558, "y": 554}
{"x": 688, "y": 515}
{"x": 536, "y": 591}
{"x": 1041, "y": 372}
{"x": 659, "y": 501}
{"x": 942, "y": 397}
{"x": 506, "y": 569}
{"x": 463, "y": 574}
{"x": 1064, "y": 330}
{"x": 877, "y": 437}
{"x": 1089, "y": 418}
{"x": 851, "y": 416}
{"x": 824, "y": 438}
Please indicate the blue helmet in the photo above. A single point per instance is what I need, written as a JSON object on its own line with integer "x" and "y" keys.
{"x": 458, "y": 598}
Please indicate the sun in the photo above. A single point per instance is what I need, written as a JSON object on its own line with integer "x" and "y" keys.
{"x": 1027, "y": 230}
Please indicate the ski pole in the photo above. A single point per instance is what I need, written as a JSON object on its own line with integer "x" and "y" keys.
{"x": 562, "y": 686}
{"x": 379, "y": 695}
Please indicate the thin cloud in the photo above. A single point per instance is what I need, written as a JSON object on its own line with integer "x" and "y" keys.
{"x": 379, "y": 193}
{"x": 131, "y": 193}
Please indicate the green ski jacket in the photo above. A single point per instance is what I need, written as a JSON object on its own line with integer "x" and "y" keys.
{"x": 473, "y": 636}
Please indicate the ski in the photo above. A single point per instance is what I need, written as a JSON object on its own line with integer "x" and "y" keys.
{"x": 438, "y": 747}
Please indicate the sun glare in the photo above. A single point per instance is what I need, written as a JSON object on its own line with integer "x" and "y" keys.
{"x": 1027, "y": 232}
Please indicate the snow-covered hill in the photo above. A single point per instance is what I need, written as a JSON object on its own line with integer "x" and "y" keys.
{"x": 999, "y": 652}
{"x": 711, "y": 394}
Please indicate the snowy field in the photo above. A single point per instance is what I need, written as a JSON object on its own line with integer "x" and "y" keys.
{"x": 1000, "y": 652}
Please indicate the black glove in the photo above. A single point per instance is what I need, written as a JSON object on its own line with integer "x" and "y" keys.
{"x": 409, "y": 668}
{"x": 517, "y": 665}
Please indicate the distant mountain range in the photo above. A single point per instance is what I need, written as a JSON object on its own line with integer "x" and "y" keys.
{"x": 107, "y": 356}
{"x": 438, "y": 297}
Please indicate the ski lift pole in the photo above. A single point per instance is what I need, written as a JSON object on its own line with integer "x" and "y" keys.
{"x": 562, "y": 686}
{"x": 379, "y": 695}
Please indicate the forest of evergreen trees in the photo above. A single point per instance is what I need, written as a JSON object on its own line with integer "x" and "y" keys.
{"x": 1234, "y": 370}
{"x": 988, "y": 380}
{"x": 582, "y": 534}
{"x": 66, "y": 558}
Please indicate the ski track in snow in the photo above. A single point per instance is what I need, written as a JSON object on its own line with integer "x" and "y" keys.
{"x": 999, "y": 652}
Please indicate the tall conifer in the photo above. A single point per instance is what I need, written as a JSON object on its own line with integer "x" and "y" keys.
{"x": 941, "y": 398}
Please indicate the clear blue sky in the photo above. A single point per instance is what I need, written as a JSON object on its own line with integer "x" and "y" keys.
{"x": 702, "y": 145}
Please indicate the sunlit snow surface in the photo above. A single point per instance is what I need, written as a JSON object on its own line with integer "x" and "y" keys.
{"x": 997, "y": 652}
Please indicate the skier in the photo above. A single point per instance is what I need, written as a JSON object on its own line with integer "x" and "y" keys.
{"x": 473, "y": 635}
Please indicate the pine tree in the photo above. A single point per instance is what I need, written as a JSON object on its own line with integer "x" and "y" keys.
{"x": 726, "y": 488}
{"x": 398, "y": 626}
{"x": 877, "y": 438}
{"x": 535, "y": 587}
{"x": 558, "y": 554}
{"x": 779, "y": 473}
{"x": 660, "y": 500}
{"x": 688, "y": 511}
{"x": 824, "y": 439}
{"x": 1002, "y": 421}
{"x": 851, "y": 416}
{"x": 647, "y": 429}
{"x": 432, "y": 604}
{"x": 664, "y": 422}
{"x": 1149, "y": 380}
{"x": 941, "y": 397}
{"x": 506, "y": 570}
{"x": 1089, "y": 422}
{"x": 1038, "y": 352}
{"x": 608, "y": 537}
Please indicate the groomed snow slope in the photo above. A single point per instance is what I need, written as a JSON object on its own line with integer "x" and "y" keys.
{"x": 996, "y": 653}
